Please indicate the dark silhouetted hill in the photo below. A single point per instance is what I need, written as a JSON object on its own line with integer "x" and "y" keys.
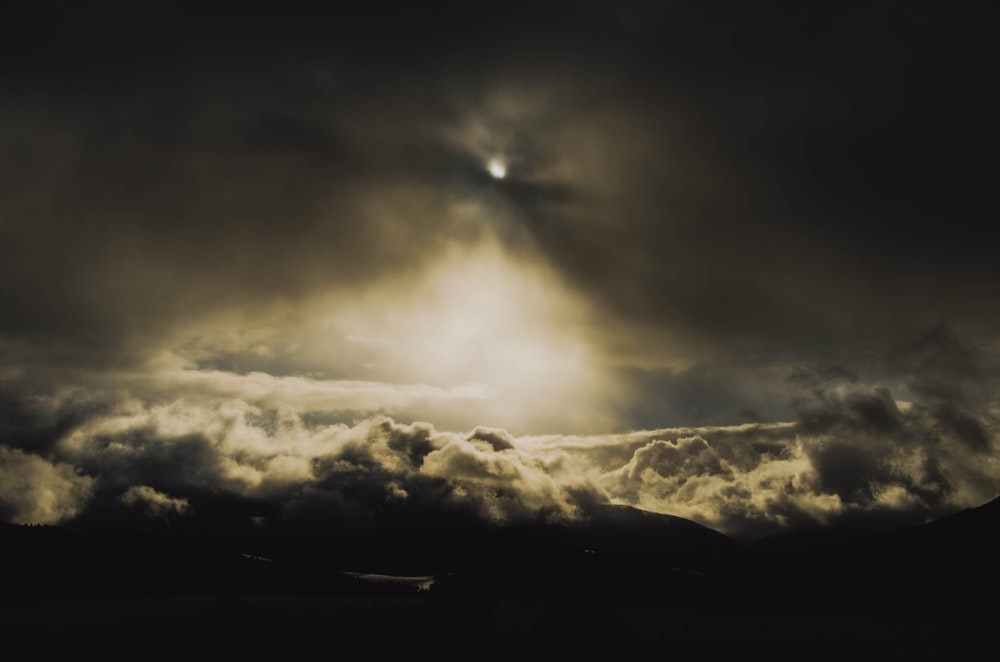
{"x": 624, "y": 580}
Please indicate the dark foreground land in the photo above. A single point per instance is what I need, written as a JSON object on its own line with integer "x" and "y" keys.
{"x": 628, "y": 582}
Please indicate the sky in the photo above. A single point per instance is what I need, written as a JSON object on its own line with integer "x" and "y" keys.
{"x": 279, "y": 268}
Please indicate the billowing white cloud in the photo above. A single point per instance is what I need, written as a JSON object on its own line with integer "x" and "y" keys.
{"x": 35, "y": 490}
{"x": 855, "y": 452}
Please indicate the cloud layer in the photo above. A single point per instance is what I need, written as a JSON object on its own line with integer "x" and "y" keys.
{"x": 855, "y": 453}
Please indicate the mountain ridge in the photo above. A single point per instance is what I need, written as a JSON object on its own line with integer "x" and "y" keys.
{"x": 627, "y": 581}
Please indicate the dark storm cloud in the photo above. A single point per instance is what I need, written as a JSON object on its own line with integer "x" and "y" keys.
{"x": 182, "y": 463}
{"x": 860, "y": 409}
{"x": 28, "y": 426}
{"x": 939, "y": 367}
{"x": 729, "y": 179}
{"x": 115, "y": 217}
{"x": 768, "y": 206}
{"x": 869, "y": 443}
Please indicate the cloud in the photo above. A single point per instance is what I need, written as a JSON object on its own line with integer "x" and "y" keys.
{"x": 721, "y": 484}
{"x": 509, "y": 486}
{"x": 35, "y": 490}
{"x": 328, "y": 395}
{"x": 670, "y": 461}
{"x": 499, "y": 440}
{"x": 154, "y": 503}
{"x": 865, "y": 445}
{"x": 855, "y": 453}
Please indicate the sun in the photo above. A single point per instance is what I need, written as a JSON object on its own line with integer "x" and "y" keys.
{"x": 497, "y": 168}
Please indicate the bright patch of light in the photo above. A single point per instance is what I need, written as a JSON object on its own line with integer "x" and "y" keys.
{"x": 479, "y": 319}
{"x": 497, "y": 168}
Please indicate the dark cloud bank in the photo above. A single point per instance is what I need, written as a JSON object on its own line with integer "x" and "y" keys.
{"x": 769, "y": 221}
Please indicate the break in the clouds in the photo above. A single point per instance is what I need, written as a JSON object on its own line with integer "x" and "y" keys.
{"x": 239, "y": 254}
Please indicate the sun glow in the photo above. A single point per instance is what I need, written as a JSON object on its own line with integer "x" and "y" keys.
{"x": 481, "y": 317}
{"x": 497, "y": 168}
